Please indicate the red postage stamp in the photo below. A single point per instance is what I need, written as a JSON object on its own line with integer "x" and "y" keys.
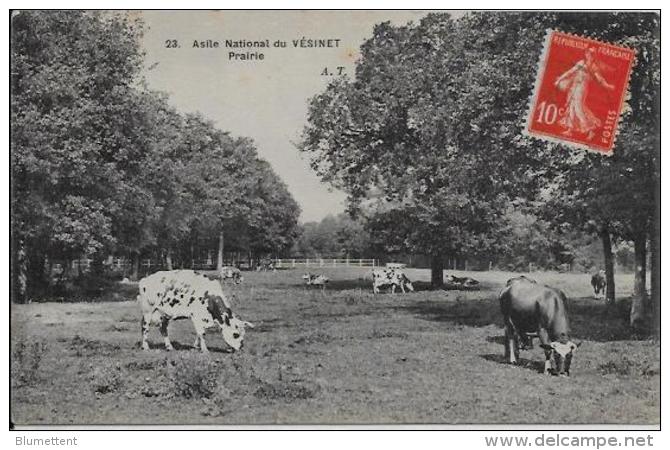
{"x": 580, "y": 91}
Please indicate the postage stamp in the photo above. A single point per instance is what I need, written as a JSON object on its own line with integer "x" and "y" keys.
{"x": 580, "y": 92}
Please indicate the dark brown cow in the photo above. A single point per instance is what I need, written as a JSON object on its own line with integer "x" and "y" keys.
{"x": 599, "y": 283}
{"x": 529, "y": 307}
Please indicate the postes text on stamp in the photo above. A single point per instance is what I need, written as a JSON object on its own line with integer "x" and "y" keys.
{"x": 579, "y": 92}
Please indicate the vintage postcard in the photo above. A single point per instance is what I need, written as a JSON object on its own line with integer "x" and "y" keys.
{"x": 365, "y": 218}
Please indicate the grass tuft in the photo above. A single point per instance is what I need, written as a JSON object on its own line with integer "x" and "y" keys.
{"x": 193, "y": 375}
{"x": 106, "y": 378}
{"x": 26, "y": 362}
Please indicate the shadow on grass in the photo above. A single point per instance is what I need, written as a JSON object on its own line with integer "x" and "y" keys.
{"x": 474, "y": 313}
{"x": 595, "y": 321}
{"x": 590, "y": 319}
{"x": 179, "y": 347}
{"x": 524, "y": 363}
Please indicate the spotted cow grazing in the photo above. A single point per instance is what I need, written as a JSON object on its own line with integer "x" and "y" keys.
{"x": 393, "y": 278}
{"x": 185, "y": 294}
{"x": 599, "y": 283}
{"x": 231, "y": 273}
{"x": 529, "y": 307}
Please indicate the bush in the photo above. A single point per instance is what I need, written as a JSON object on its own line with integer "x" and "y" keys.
{"x": 26, "y": 361}
{"x": 625, "y": 367}
{"x": 106, "y": 378}
{"x": 91, "y": 347}
{"x": 193, "y": 375}
{"x": 284, "y": 390}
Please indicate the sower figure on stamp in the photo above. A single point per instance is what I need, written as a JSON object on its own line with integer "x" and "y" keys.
{"x": 577, "y": 117}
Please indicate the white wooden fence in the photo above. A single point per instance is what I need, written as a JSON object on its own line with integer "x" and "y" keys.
{"x": 324, "y": 262}
{"x": 123, "y": 264}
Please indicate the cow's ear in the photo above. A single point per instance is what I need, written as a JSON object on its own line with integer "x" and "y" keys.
{"x": 248, "y": 324}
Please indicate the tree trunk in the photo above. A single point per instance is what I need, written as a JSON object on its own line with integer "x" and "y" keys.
{"x": 136, "y": 266}
{"x": 168, "y": 260}
{"x": 36, "y": 282}
{"x": 609, "y": 265}
{"x": 19, "y": 271}
{"x": 637, "y": 310}
{"x": 219, "y": 257}
{"x": 655, "y": 249}
{"x": 436, "y": 271}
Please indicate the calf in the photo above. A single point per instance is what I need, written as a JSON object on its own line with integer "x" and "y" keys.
{"x": 599, "y": 283}
{"x": 181, "y": 294}
{"x": 529, "y": 307}
{"x": 231, "y": 273}
{"x": 392, "y": 278}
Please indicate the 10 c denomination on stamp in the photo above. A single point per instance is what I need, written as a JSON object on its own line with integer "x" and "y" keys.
{"x": 580, "y": 91}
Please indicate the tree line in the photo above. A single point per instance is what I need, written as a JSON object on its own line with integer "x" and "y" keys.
{"x": 102, "y": 165}
{"x": 426, "y": 139}
{"x": 526, "y": 241}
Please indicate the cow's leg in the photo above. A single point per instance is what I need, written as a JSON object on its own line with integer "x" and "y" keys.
{"x": 196, "y": 344}
{"x": 393, "y": 289}
{"x": 515, "y": 341}
{"x": 203, "y": 346}
{"x": 145, "y": 332}
{"x": 506, "y": 345}
{"x": 544, "y": 343}
{"x": 510, "y": 351}
{"x": 164, "y": 332}
{"x": 200, "y": 333}
{"x": 402, "y": 287}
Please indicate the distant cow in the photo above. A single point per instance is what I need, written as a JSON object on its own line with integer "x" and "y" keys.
{"x": 266, "y": 265}
{"x": 393, "y": 278}
{"x": 465, "y": 282}
{"x": 316, "y": 280}
{"x": 529, "y": 307}
{"x": 231, "y": 273}
{"x": 181, "y": 294}
{"x": 599, "y": 283}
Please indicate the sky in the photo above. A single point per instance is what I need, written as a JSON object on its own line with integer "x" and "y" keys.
{"x": 266, "y": 100}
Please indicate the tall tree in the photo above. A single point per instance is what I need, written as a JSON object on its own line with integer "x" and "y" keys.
{"x": 433, "y": 122}
{"x": 373, "y": 137}
{"x": 72, "y": 116}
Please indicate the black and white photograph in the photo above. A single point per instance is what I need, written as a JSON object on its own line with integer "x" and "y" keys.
{"x": 334, "y": 218}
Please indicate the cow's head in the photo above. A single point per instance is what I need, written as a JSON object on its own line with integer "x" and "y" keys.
{"x": 408, "y": 283}
{"x": 307, "y": 277}
{"x": 560, "y": 354}
{"x": 233, "y": 330}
